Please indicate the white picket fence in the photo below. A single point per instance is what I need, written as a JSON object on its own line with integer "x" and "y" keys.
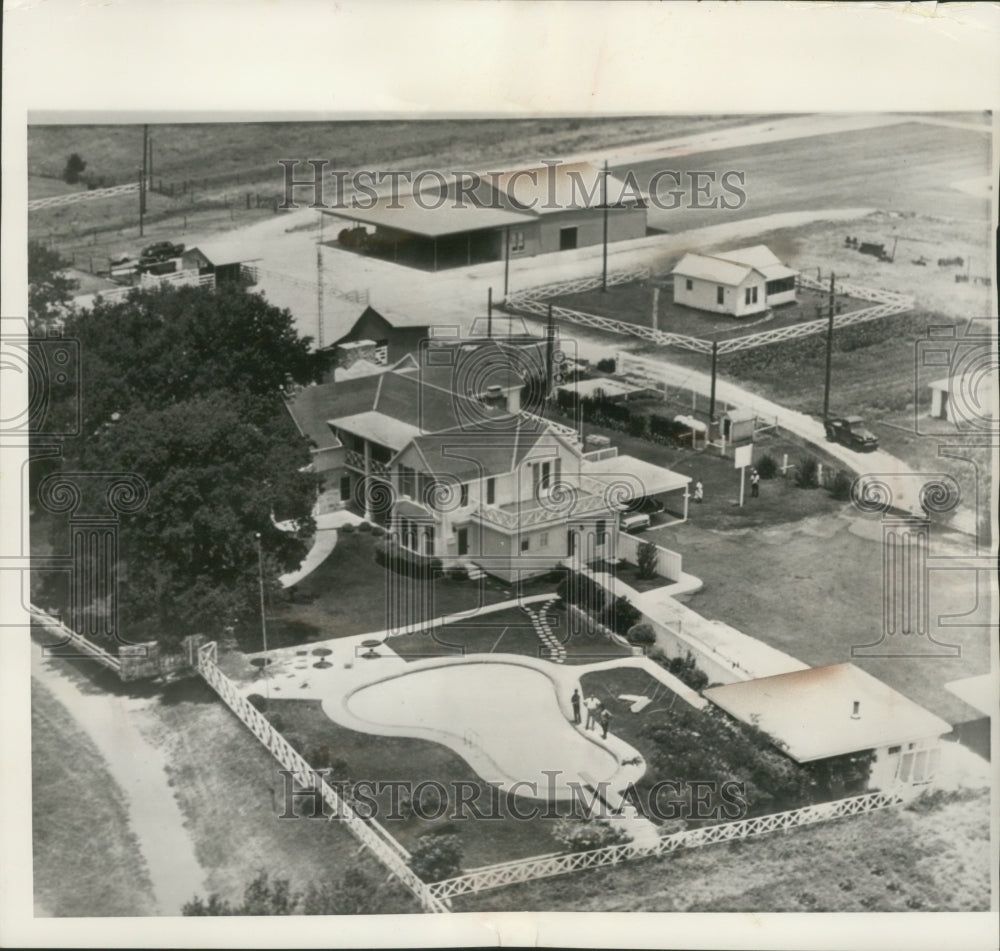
{"x": 547, "y": 866}
{"x": 74, "y": 197}
{"x": 368, "y": 831}
{"x": 578, "y": 285}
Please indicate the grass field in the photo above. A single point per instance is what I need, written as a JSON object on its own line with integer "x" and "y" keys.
{"x": 78, "y": 872}
{"x": 894, "y": 860}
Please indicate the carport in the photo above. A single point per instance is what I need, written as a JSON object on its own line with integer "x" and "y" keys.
{"x": 425, "y": 234}
{"x": 630, "y": 479}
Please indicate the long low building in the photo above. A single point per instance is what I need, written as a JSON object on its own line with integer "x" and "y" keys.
{"x": 741, "y": 282}
{"x": 826, "y": 712}
{"x": 511, "y": 214}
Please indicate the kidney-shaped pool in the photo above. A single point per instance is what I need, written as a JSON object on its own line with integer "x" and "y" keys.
{"x": 503, "y": 719}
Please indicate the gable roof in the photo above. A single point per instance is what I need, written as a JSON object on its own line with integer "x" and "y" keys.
{"x": 732, "y": 267}
{"x": 551, "y": 188}
{"x": 313, "y": 405}
{"x": 809, "y": 712}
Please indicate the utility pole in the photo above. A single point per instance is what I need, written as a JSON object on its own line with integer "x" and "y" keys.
{"x": 319, "y": 286}
{"x": 263, "y": 620}
{"x": 150, "y": 170}
{"x": 549, "y": 345}
{"x": 711, "y": 400}
{"x": 506, "y": 262}
{"x": 489, "y": 312}
{"x": 145, "y": 164}
{"x": 142, "y": 202}
{"x": 829, "y": 350}
{"x": 604, "y": 189}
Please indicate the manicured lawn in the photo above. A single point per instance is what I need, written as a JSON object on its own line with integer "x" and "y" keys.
{"x": 365, "y": 757}
{"x": 892, "y": 860}
{"x": 633, "y": 303}
{"x": 78, "y": 873}
{"x": 506, "y": 632}
{"x": 351, "y": 594}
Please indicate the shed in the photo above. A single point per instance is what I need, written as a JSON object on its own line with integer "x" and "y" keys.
{"x": 963, "y": 398}
{"x": 825, "y": 712}
{"x": 741, "y": 282}
{"x": 737, "y": 425}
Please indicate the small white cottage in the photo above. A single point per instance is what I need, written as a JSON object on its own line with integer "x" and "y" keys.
{"x": 741, "y": 282}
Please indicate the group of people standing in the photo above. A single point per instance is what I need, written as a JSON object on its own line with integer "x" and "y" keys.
{"x": 597, "y": 713}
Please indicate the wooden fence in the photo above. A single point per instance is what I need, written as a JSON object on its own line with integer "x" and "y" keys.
{"x": 368, "y": 831}
{"x": 532, "y": 303}
{"x": 526, "y": 870}
{"x": 74, "y": 197}
{"x": 668, "y": 563}
{"x": 56, "y": 627}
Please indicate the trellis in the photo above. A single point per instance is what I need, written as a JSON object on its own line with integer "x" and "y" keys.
{"x": 55, "y": 626}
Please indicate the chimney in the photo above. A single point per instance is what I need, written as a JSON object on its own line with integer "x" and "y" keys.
{"x": 856, "y": 712}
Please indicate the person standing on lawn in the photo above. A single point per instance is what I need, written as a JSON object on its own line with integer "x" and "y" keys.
{"x": 593, "y": 705}
{"x": 605, "y": 719}
{"x": 575, "y": 700}
{"x": 754, "y": 483}
{"x": 699, "y": 491}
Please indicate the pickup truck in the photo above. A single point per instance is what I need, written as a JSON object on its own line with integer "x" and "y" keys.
{"x": 850, "y": 431}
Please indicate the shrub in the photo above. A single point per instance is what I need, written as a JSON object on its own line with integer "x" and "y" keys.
{"x": 581, "y": 835}
{"x": 346, "y": 529}
{"x": 277, "y": 721}
{"x": 767, "y": 467}
{"x": 378, "y": 531}
{"x": 436, "y": 857}
{"x": 841, "y": 487}
{"x": 256, "y": 701}
{"x": 807, "y": 474}
{"x": 607, "y": 365}
{"x": 641, "y": 633}
{"x": 365, "y": 527}
{"x": 646, "y": 558}
{"x": 637, "y": 426}
{"x": 458, "y": 573}
{"x": 625, "y": 615}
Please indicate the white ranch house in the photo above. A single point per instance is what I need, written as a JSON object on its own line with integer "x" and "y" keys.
{"x": 741, "y": 282}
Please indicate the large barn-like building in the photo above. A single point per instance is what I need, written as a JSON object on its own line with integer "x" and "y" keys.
{"x": 515, "y": 214}
{"x": 741, "y": 282}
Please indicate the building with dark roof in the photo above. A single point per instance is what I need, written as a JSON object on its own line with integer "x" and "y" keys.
{"x": 521, "y": 213}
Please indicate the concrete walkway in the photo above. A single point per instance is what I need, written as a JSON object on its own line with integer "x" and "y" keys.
{"x": 139, "y": 769}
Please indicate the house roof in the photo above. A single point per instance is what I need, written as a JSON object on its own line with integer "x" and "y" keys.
{"x": 470, "y": 453}
{"x": 707, "y": 268}
{"x": 808, "y": 712}
{"x": 312, "y": 406}
{"x": 221, "y": 251}
{"x": 721, "y": 267}
{"x": 978, "y": 692}
{"x": 550, "y": 188}
{"x": 378, "y": 427}
{"x": 639, "y": 477}
{"x": 404, "y": 213}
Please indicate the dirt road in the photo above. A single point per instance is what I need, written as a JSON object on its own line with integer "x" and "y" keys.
{"x": 138, "y": 768}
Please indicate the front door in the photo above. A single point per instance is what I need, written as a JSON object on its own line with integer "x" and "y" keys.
{"x": 567, "y": 239}
{"x": 463, "y": 541}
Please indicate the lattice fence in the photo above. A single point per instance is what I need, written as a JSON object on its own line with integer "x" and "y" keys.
{"x": 368, "y": 831}
{"x": 578, "y": 285}
{"x": 532, "y": 303}
{"x": 512, "y": 873}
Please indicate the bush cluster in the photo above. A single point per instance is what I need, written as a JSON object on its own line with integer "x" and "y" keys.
{"x": 618, "y": 614}
{"x": 582, "y": 835}
{"x": 622, "y": 417}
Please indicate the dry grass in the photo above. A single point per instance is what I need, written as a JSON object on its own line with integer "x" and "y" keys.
{"x": 230, "y": 792}
{"x": 86, "y": 858}
{"x": 893, "y": 860}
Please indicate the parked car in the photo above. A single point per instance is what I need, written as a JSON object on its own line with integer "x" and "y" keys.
{"x": 162, "y": 251}
{"x": 851, "y": 431}
{"x": 633, "y": 521}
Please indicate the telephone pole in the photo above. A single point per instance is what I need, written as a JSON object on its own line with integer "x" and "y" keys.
{"x": 604, "y": 189}
{"x": 711, "y": 399}
{"x": 829, "y": 348}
